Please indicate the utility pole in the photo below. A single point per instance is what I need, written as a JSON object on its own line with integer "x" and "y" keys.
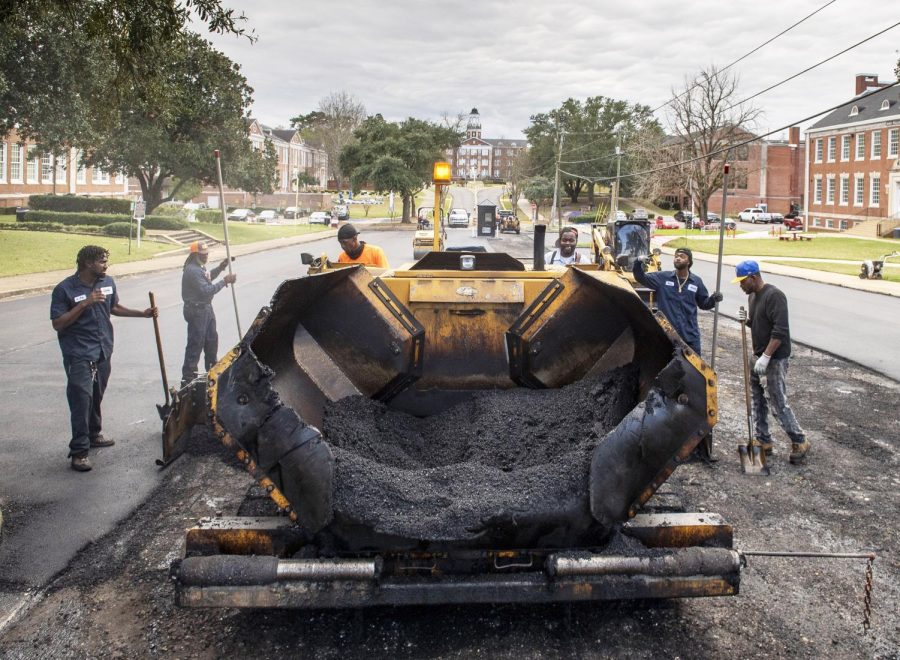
{"x": 556, "y": 206}
{"x": 615, "y": 210}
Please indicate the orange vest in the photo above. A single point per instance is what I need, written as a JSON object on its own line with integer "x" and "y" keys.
{"x": 371, "y": 255}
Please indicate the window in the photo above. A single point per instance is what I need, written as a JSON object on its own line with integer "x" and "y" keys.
{"x": 854, "y": 111}
{"x": 817, "y": 222}
{"x": 100, "y": 176}
{"x": 875, "y": 192}
{"x": 876, "y": 144}
{"x": 738, "y": 179}
{"x": 81, "y": 176}
{"x": 741, "y": 152}
{"x": 845, "y": 189}
{"x": 61, "y": 167}
{"x": 46, "y": 168}
{"x": 893, "y": 142}
{"x": 33, "y": 169}
{"x": 829, "y": 190}
{"x": 832, "y": 148}
{"x": 858, "y": 188}
{"x": 819, "y": 150}
{"x": 885, "y": 105}
{"x": 860, "y": 146}
{"x": 16, "y": 155}
{"x": 829, "y": 224}
{"x": 2, "y": 162}
{"x": 845, "y": 147}
{"x": 843, "y": 225}
{"x": 817, "y": 190}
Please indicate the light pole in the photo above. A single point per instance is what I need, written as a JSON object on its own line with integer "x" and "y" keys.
{"x": 440, "y": 176}
{"x": 615, "y": 205}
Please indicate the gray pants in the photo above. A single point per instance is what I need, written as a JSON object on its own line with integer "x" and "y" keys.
{"x": 201, "y": 338}
{"x": 774, "y": 395}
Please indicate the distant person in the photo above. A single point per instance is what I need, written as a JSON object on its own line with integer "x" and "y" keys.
{"x": 771, "y": 339}
{"x": 356, "y": 251}
{"x": 679, "y": 294}
{"x": 565, "y": 252}
{"x": 80, "y": 310}
{"x": 197, "y": 291}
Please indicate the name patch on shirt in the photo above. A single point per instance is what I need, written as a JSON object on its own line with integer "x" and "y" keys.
{"x": 80, "y": 298}
{"x": 106, "y": 290}
{"x": 692, "y": 288}
{"x": 670, "y": 283}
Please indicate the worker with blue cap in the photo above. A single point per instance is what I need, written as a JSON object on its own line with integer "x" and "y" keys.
{"x": 771, "y": 338}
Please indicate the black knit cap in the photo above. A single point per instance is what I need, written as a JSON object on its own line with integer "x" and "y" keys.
{"x": 347, "y": 231}
{"x": 690, "y": 255}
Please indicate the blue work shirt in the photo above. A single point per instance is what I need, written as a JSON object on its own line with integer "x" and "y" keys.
{"x": 678, "y": 300}
{"x": 197, "y": 286}
{"x": 90, "y": 336}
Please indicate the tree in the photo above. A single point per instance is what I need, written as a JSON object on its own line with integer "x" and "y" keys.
{"x": 706, "y": 121}
{"x": 588, "y": 133}
{"x": 169, "y": 125}
{"x": 332, "y": 126}
{"x": 396, "y": 156}
{"x": 518, "y": 172}
{"x": 539, "y": 190}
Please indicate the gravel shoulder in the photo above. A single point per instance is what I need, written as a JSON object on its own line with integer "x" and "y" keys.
{"x": 115, "y": 599}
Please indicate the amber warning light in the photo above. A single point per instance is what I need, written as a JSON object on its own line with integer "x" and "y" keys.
{"x": 441, "y": 173}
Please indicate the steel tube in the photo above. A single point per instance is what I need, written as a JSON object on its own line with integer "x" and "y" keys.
{"x": 691, "y": 561}
{"x": 327, "y": 569}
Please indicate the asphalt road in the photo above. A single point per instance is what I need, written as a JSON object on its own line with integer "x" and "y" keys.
{"x": 52, "y": 512}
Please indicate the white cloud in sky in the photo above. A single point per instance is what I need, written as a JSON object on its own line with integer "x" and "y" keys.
{"x": 405, "y": 58}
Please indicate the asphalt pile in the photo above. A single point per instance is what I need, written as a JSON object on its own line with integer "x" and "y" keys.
{"x": 502, "y": 453}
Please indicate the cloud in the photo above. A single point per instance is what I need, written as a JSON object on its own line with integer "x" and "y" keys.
{"x": 511, "y": 60}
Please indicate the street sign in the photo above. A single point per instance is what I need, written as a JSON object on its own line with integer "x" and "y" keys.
{"x": 140, "y": 210}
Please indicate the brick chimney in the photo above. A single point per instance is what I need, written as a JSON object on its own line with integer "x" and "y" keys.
{"x": 866, "y": 81}
{"x": 794, "y": 135}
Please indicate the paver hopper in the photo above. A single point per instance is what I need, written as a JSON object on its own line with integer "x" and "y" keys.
{"x": 412, "y": 428}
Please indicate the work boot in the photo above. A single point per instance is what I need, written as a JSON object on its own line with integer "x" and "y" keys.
{"x": 81, "y": 463}
{"x": 100, "y": 441}
{"x": 799, "y": 451}
{"x": 767, "y": 447}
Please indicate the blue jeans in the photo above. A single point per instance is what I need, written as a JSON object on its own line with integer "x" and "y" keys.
{"x": 86, "y": 384}
{"x": 201, "y": 337}
{"x": 774, "y": 396}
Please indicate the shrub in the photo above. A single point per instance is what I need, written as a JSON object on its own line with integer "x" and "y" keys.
{"x": 121, "y": 229}
{"x": 95, "y": 219}
{"x": 7, "y": 210}
{"x": 581, "y": 218}
{"x": 209, "y": 216}
{"x": 164, "y": 222}
{"x": 167, "y": 209}
{"x": 79, "y": 204}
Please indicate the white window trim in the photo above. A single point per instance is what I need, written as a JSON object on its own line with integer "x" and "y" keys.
{"x": 885, "y": 105}
{"x": 33, "y": 174}
{"x": 2, "y": 162}
{"x": 832, "y": 149}
{"x": 829, "y": 189}
{"x": 46, "y": 174}
{"x": 848, "y": 141}
{"x": 854, "y": 111}
{"x": 859, "y": 185}
{"x": 818, "y": 187}
{"x": 22, "y": 163}
{"x": 819, "y": 151}
{"x": 874, "y": 187}
{"x": 860, "y": 154}
{"x": 842, "y": 200}
{"x": 81, "y": 174}
{"x": 893, "y": 144}
{"x": 874, "y": 144}
{"x": 61, "y": 167}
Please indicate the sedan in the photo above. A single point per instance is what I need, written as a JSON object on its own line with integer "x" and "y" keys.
{"x": 322, "y": 217}
{"x": 242, "y": 215}
{"x": 730, "y": 225}
{"x": 268, "y": 217}
{"x": 291, "y": 213}
{"x": 667, "y": 223}
{"x": 458, "y": 218}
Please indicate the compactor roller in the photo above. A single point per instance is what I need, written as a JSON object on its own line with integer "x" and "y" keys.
{"x": 439, "y": 434}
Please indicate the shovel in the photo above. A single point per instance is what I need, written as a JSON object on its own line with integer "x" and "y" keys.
{"x": 753, "y": 458}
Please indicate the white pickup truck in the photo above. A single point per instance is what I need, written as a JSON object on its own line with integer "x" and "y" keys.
{"x": 755, "y": 214}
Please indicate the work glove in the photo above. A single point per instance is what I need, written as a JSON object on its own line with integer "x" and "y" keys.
{"x": 742, "y": 314}
{"x": 761, "y": 365}
{"x": 717, "y": 297}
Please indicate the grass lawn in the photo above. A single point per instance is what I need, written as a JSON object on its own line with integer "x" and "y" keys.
{"x": 850, "y": 249}
{"x": 240, "y": 233}
{"x": 889, "y": 274}
{"x": 38, "y": 251}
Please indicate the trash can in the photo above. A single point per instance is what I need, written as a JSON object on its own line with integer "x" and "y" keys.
{"x": 487, "y": 220}
{"x": 896, "y": 232}
{"x": 20, "y": 214}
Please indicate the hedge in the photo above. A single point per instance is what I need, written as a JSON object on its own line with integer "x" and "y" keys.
{"x": 79, "y": 204}
{"x": 122, "y": 229}
{"x": 209, "y": 216}
{"x": 101, "y": 220}
{"x": 7, "y": 210}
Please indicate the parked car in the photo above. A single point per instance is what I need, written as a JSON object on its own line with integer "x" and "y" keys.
{"x": 321, "y": 217}
{"x": 667, "y": 223}
{"x": 794, "y": 224}
{"x": 194, "y": 206}
{"x": 776, "y": 217}
{"x": 341, "y": 211}
{"x": 755, "y": 214}
{"x": 242, "y": 215}
{"x": 458, "y": 218}
{"x": 291, "y": 213}
{"x": 267, "y": 216}
{"x": 730, "y": 225}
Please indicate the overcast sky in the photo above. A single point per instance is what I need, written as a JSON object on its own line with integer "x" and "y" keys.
{"x": 405, "y": 58}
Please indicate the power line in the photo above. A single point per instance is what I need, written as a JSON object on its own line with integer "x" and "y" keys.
{"x": 749, "y": 53}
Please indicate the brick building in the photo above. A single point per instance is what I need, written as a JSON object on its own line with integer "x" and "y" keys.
{"x": 853, "y": 160}
{"x": 483, "y": 158}
{"x": 765, "y": 172}
{"x": 24, "y": 173}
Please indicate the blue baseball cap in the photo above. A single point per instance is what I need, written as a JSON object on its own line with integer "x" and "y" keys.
{"x": 745, "y": 269}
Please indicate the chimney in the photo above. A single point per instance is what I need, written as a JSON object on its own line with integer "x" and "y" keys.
{"x": 866, "y": 81}
{"x": 794, "y": 135}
